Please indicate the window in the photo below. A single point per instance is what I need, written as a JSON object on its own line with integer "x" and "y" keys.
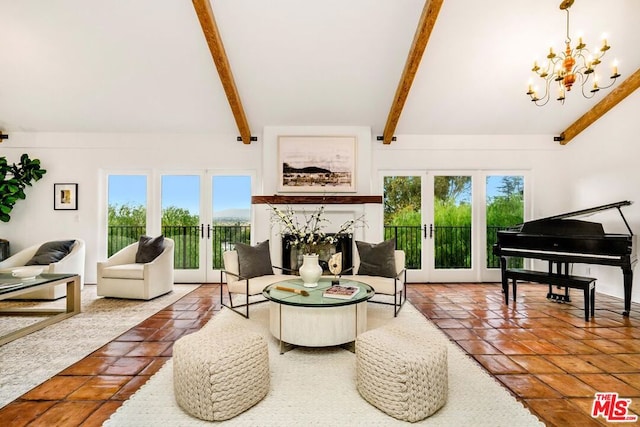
{"x": 127, "y": 210}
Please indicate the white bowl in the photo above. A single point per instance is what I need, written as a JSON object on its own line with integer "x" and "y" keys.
{"x": 27, "y": 272}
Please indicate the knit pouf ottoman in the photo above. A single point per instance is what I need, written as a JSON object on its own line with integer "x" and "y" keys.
{"x": 220, "y": 373}
{"x": 402, "y": 373}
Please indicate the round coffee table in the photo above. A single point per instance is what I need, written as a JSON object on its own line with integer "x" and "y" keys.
{"x": 316, "y": 320}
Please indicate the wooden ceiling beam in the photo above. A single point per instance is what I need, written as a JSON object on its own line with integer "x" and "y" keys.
{"x": 623, "y": 90}
{"x": 212, "y": 35}
{"x": 420, "y": 39}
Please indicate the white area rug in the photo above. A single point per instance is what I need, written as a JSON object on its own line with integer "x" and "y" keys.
{"x": 316, "y": 387}
{"x": 31, "y": 360}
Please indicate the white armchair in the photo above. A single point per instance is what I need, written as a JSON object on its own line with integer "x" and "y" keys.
{"x": 240, "y": 288}
{"x": 121, "y": 277}
{"x": 73, "y": 263}
{"x": 390, "y": 286}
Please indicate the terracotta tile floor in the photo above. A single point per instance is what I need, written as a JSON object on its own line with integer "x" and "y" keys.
{"x": 544, "y": 352}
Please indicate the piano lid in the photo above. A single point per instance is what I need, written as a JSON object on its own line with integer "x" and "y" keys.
{"x": 588, "y": 211}
{"x": 558, "y": 225}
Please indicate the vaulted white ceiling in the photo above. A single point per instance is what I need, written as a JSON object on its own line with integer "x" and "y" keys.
{"x": 144, "y": 65}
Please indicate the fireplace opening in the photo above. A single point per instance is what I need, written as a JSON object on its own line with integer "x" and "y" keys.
{"x": 292, "y": 257}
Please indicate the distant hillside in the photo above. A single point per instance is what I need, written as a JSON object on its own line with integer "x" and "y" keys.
{"x": 286, "y": 168}
{"x": 232, "y": 215}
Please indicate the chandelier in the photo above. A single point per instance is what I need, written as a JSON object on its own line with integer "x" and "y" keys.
{"x": 573, "y": 66}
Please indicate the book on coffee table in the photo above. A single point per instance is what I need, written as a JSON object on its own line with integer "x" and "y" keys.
{"x": 341, "y": 292}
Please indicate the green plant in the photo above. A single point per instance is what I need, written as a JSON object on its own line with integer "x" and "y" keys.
{"x": 13, "y": 180}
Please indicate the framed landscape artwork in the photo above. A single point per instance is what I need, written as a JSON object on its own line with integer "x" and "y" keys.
{"x": 320, "y": 164}
{"x": 65, "y": 197}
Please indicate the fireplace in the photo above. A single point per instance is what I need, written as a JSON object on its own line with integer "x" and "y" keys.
{"x": 292, "y": 258}
{"x": 338, "y": 210}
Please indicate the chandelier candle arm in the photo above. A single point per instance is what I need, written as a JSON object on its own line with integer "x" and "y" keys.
{"x": 569, "y": 67}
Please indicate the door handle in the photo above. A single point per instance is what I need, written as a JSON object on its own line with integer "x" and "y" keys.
{"x": 209, "y": 228}
{"x": 431, "y": 231}
{"x": 202, "y": 231}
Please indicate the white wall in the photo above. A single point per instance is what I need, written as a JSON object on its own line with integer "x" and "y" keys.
{"x": 596, "y": 168}
{"x": 602, "y": 166}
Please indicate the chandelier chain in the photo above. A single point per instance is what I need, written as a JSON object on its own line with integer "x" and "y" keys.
{"x": 568, "y": 39}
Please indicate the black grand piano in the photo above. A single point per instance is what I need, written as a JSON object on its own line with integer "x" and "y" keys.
{"x": 563, "y": 241}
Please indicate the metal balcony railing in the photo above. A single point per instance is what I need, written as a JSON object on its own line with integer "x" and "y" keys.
{"x": 123, "y": 235}
{"x": 409, "y": 239}
{"x": 187, "y": 241}
{"x": 452, "y": 243}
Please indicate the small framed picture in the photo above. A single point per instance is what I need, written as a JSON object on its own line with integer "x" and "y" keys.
{"x": 65, "y": 197}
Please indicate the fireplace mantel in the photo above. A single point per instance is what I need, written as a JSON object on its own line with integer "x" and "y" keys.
{"x": 315, "y": 200}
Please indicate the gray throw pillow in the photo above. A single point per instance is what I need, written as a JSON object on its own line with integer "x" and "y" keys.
{"x": 254, "y": 261}
{"x": 377, "y": 259}
{"x": 149, "y": 248}
{"x": 51, "y": 252}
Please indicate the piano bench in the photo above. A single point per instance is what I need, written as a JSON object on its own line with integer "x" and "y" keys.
{"x": 587, "y": 284}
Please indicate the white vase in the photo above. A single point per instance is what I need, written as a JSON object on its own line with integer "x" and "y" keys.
{"x": 310, "y": 271}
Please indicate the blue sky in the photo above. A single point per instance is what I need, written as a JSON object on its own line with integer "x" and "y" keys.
{"x": 493, "y": 182}
{"x": 229, "y": 192}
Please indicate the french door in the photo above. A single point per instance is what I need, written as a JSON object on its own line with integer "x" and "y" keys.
{"x": 184, "y": 210}
{"x": 205, "y": 213}
{"x": 446, "y": 221}
{"x": 451, "y": 239}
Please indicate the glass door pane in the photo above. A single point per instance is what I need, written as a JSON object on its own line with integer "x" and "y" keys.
{"x": 403, "y": 210}
{"x": 231, "y": 223}
{"x": 127, "y": 210}
{"x": 504, "y": 209}
{"x": 403, "y": 216}
{"x": 452, "y": 219}
{"x": 180, "y": 221}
